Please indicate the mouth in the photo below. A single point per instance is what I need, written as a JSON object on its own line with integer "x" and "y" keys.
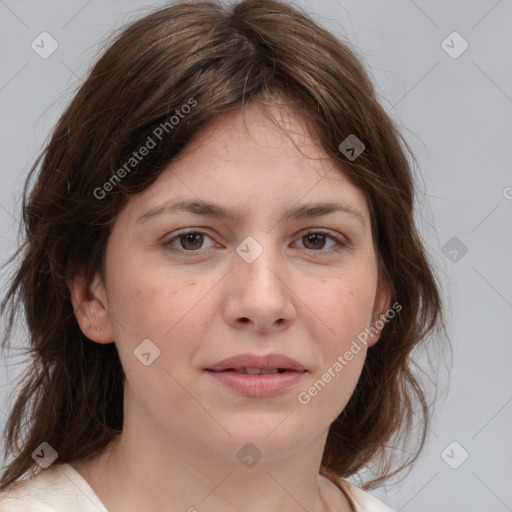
{"x": 256, "y": 375}
{"x": 254, "y": 371}
{"x": 256, "y": 364}
{"x": 257, "y": 382}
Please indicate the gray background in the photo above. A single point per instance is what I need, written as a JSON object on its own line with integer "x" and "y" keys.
{"x": 456, "y": 113}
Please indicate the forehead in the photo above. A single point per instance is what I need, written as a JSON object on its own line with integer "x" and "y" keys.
{"x": 246, "y": 161}
{"x": 274, "y": 128}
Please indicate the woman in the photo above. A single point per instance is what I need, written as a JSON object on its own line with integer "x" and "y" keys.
{"x": 222, "y": 277}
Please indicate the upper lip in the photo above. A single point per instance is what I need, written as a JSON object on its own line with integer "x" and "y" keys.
{"x": 266, "y": 362}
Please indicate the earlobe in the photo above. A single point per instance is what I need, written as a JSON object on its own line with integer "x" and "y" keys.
{"x": 91, "y": 308}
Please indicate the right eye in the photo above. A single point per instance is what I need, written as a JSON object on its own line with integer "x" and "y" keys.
{"x": 189, "y": 241}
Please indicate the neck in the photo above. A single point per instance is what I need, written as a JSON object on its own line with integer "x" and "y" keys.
{"x": 136, "y": 474}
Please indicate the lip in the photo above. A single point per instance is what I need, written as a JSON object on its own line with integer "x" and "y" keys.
{"x": 259, "y": 386}
{"x": 265, "y": 362}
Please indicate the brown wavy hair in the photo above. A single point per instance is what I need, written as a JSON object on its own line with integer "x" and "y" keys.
{"x": 223, "y": 58}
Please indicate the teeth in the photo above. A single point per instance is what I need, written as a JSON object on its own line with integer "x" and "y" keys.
{"x": 256, "y": 371}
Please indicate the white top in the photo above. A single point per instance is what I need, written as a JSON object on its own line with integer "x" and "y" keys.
{"x": 60, "y": 488}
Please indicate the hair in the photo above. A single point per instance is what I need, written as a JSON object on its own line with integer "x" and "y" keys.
{"x": 217, "y": 59}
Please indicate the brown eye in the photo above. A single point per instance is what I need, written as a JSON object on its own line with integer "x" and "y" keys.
{"x": 188, "y": 242}
{"x": 191, "y": 241}
{"x": 322, "y": 243}
{"x": 314, "y": 240}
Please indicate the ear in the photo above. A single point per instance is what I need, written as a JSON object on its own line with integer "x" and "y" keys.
{"x": 381, "y": 305}
{"x": 90, "y": 306}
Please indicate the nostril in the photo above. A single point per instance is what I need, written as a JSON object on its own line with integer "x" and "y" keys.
{"x": 244, "y": 320}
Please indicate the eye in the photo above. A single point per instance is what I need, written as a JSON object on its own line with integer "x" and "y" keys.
{"x": 190, "y": 241}
{"x": 317, "y": 240}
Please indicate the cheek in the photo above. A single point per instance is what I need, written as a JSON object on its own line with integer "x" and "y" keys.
{"x": 342, "y": 307}
{"x": 152, "y": 302}
{"x": 343, "y": 313}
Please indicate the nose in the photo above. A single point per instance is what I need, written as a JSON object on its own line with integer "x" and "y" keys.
{"x": 260, "y": 294}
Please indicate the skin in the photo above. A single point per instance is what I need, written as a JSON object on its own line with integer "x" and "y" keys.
{"x": 183, "y": 429}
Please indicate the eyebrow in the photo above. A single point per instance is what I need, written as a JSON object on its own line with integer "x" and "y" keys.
{"x": 208, "y": 209}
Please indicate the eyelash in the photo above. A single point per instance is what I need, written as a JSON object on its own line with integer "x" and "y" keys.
{"x": 340, "y": 244}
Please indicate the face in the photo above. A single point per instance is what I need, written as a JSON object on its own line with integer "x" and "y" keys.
{"x": 279, "y": 261}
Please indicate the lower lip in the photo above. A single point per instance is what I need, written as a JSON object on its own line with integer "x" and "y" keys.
{"x": 258, "y": 385}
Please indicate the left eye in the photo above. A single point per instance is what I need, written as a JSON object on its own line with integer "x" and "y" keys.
{"x": 316, "y": 240}
{"x": 192, "y": 241}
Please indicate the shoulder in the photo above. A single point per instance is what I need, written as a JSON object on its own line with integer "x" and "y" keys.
{"x": 56, "y": 489}
{"x": 361, "y": 500}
